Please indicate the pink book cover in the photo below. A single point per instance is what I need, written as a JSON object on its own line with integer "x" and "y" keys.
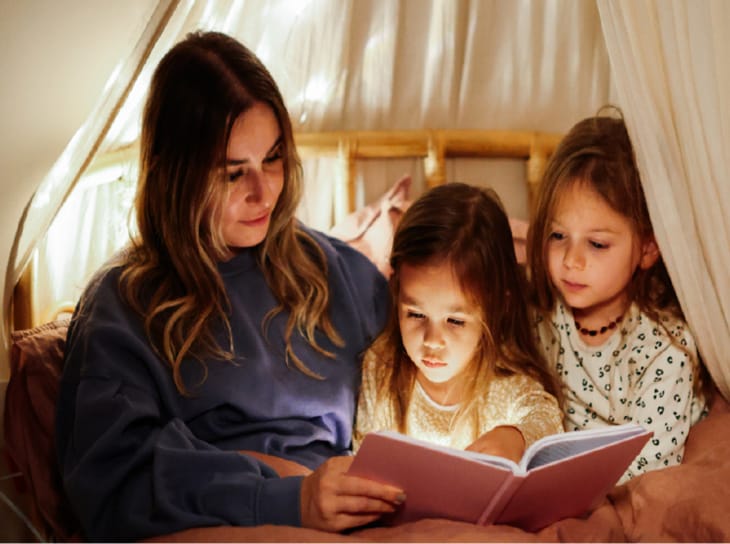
{"x": 438, "y": 482}
{"x": 560, "y": 476}
{"x": 572, "y": 486}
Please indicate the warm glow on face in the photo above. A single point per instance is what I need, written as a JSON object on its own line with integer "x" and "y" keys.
{"x": 255, "y": 171}
{"x": 440, "y": 326}
{"x": 592, "y": 254}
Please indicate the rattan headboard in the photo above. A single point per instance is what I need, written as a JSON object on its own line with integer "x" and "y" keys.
{"x": 434, "y": 147}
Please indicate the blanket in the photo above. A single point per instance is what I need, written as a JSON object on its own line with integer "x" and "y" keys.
{"x": 688, "y": 502}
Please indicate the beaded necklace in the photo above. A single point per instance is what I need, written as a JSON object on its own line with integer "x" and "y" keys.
{"x": 602, "y": 330}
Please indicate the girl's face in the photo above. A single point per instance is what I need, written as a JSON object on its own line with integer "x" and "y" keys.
{"x": 441, "y": 328}
{"x": 255, "y": 171}
{"x": 592, "y": 254}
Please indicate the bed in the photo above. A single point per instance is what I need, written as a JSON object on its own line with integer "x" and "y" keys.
{"x": 689, "y": 502}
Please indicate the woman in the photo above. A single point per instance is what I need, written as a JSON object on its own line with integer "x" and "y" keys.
{"x": 221, "y": 348}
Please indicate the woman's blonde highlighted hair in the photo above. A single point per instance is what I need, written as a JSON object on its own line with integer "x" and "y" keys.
{"x": 170, "y": 274}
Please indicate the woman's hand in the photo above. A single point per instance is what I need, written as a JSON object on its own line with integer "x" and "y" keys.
{"x": 333, "y": 501}
{"x": 505, "y": 441}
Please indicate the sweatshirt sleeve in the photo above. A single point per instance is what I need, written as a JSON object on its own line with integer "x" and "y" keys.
{"x": 131, "y": 476}
{"x": 130, "y": 466}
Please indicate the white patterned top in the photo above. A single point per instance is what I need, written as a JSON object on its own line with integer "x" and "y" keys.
{"x": 638, "y": 375}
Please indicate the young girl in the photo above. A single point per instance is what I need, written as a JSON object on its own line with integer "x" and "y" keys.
{"x": 457, "y": 363}
{"x": 608, "y": 316}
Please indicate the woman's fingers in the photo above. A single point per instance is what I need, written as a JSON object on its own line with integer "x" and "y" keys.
{"x": 359, "y": 487}
{"x": 366, "y": 494}
{"x": 333, "y": 501}
{"x": 336, "y": 470}
{"x": 354, "y": 504}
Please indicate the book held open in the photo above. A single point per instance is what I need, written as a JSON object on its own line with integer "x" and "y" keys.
{"x": 559, "y": 476}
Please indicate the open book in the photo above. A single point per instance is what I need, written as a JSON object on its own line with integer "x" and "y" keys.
{"x": 559, "y": 476}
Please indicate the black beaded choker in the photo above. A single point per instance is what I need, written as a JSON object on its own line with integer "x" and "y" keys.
{"x": 596, "y": 332}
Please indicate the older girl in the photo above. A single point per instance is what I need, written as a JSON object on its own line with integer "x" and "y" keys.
{"x": 609, "y": 319}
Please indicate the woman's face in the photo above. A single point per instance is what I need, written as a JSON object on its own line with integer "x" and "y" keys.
{"x": 255, "y": 172}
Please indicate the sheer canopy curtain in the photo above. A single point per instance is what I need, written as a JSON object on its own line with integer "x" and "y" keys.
{"x": 375, "y": 65}
{"x": 669, "y": 60}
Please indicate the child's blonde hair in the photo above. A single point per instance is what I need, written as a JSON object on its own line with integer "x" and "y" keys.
{"x": 466, "y": 227}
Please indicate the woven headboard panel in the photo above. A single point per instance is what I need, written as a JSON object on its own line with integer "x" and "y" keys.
{"x": 434, "y": 147}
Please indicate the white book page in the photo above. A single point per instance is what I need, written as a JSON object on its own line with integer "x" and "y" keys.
{"x": 495, "y": 460}
{"x": 565, "y": 445}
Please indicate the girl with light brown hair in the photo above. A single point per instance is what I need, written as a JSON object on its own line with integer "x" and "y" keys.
{"x": 457, "y": 363}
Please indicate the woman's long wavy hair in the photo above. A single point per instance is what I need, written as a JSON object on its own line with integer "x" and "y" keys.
{"x": 466, "y": 227}
{"x": 170, "y": 276}
{"x": 598, "y": 152}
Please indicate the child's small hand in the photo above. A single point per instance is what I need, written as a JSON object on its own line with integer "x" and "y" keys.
{"x": 504, "y": 441}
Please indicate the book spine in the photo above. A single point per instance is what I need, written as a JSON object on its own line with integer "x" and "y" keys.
{"x": 499, "y": 499}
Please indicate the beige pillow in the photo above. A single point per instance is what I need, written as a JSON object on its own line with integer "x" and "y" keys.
{"x": 36, "y": 360}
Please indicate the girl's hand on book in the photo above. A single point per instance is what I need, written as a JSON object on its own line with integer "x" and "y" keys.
{"x": 333, "y": 501}
{"x": 504, "y": 441}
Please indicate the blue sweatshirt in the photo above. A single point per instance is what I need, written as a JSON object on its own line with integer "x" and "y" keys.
{"x": 139, "y": 459}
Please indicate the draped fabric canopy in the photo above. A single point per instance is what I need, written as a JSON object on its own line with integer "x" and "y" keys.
{"x": 462, "y": 64}
{"x": 669, "y": 61}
